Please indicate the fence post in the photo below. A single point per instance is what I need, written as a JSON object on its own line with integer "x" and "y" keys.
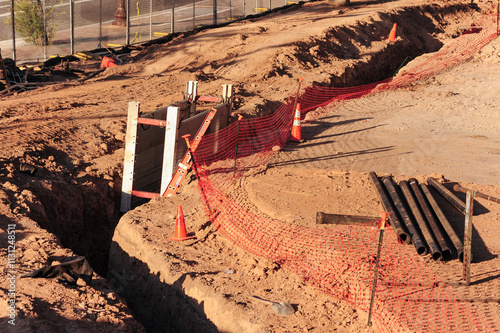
{"x": 194, "y": 14}
{"x": 44, "y": 32}
{"x": 127, "y": 22}
{"x": 72, "y": 25}
{"x": 13, "y": 30}
{"x": 469, "y": 211}
{"x": 172, "y": 18}
{"x": 100, "y": 23}
{"x": 150, "y": 19}
{"x": 215, "y": 11}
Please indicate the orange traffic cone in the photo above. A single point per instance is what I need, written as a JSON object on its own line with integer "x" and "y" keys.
{"x": 392, "y": 34}
{"x": 108, "y": 62}
{"x": 296, "y": 130}
{"x": 180, "y": 227}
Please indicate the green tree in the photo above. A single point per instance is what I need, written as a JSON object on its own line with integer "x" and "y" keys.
{"x": 29, "y": 18}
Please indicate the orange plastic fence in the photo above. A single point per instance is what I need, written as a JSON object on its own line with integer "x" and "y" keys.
{"x": 339, "y": 260}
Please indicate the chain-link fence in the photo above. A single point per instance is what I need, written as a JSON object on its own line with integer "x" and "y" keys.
{"x": 71, "y": 26}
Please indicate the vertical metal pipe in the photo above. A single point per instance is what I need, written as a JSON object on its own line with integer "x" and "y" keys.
{"x": 150, "y": 19}
{"x": 244, "y": 8}
{"x": 270, "y": 4}
{"x": 444, "y": 222}
{"x": 456, "y": 202}
{"x": 403, "y": 237}
{"x": 469, "y": 208}
{"x": 44, "y": 32}
{"x": 375, "y": 269}
{"x": 436, "y": 232}
{"x": 13, "y": 17}
{"x": 172, "y": 17}
{"x": 215, "y": 11}
{"x": 127, "y": 22}
{"x": 412, "y": 229}
{"x": 72, "y": 25}
{"x": 230, "y": 11}
{"x": 433, "y": 247}
{"x": 194, "y": 14}
{"x": 100, "y": 23}
{"x": 236, "y": 149}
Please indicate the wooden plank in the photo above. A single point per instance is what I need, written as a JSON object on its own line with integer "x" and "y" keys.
{"x": 129, "y": 159}
{"x": 168, "y": 170}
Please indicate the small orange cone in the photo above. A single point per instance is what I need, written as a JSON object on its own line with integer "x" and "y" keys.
{"x": 296, "y": 130}
{"x": 180, "y": 227}
{"x": 108, "y": 62}
{"x": 392, "y": 34}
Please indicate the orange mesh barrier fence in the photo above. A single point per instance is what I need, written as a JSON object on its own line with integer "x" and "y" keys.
{"x": 339, "y": 260}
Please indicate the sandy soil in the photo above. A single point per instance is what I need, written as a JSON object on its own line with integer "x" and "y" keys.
{"x": 446, "y": 124}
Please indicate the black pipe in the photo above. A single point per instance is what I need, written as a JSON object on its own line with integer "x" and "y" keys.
{"x": 453, "y": 199}
{"x": 433, "y": 247}
{"x": 445, "y": 223}
{"x": 403, "y": 237}
{"x": 438, "y": 235}
{"x": 412, "y": 229}
{"x": 325, "y": 218}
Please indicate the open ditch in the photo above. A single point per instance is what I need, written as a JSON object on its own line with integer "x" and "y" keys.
{"x": 363, "y": 53}
{"x": 83, "y": 209}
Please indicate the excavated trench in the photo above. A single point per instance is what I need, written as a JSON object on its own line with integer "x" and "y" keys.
{"x": 84, "y": 211}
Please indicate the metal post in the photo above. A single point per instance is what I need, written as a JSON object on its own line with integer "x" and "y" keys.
{"x": 172, "y": 18}
{"x": 498, "y": 12}
{"x": 244, "y": 9}
{"x": 215, "y": 12}
{"x": 270, "y": 4}
{"x": 13, "y": 30}
{"x": 127, "y": 22}
{"x": 377, "y": 261}
{"x": 236, "y": 150}
{"x": 191, "y": 93}
{"x": 44, "y": 32}
{"x": 150, "y": 19}
{"x": 100, "y": 23}
{"x": 72, "y": 25}
{"x": 194, "y": 14}
{"x": 469, "y": 209}
{"x": 230, "y": 11}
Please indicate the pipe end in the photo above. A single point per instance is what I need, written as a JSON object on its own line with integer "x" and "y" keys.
{"x": 437, "y": 256}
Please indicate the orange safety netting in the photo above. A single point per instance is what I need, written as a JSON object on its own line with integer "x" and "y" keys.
{"x": 340, "y": 260}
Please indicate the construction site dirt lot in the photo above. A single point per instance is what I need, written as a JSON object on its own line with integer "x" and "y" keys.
{"x": 446, "y": 126}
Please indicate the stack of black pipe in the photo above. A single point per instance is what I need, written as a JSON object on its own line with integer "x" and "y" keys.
{"x": 416, "y": 217}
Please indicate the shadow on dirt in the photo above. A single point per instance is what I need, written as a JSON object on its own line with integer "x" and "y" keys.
{"x": 159, "y": 306}
{"x": 480, "y": 251}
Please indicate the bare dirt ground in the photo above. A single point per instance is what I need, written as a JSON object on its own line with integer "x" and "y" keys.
{"x": 444, "y": 125}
